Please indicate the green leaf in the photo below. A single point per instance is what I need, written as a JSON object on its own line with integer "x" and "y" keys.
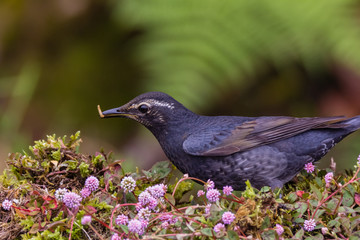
{"x": 170, "y": 198}
{"x": 249, "y": 191}
{"x": 301, "y": 207}
{"x": 268, "y": 235}
{"x": 292, "y": 197}
{"x": 316, "y": 237}
{"x": 56, "y": 155}
{"x": 299, "y": 220}
{"x": 345, "y": 223}
{"x": 319, "y": 213}
{"x": 331, "y": 205}
{"x": 334, "y": 222}
{"x": 319, "y": 181}
{"x": 299, "y": 234}
{"x": 158, "y": 171}
{"x": 346, "y": 210}
{"x": 124, "y": 228}
{"x": 313, "y": 202}
{"x": 207, "y": 232}
{"x": 232, "y": 235}
{"x": 84, "y": 169}
{"x": 265, "y": 189}
{"x": 355, "y": 222}
{"x": 266, "y": 223}
{"x": 348, "y": 199}
{"x": 351, "y": 189}
{"x": 355, "y": 237}
{"x": 189, "y": 211}
{"x": 71, "y": 164}
{"x": 315, "y": 190}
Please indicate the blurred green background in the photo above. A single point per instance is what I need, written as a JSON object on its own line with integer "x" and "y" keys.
{"x": 60, "y": 58}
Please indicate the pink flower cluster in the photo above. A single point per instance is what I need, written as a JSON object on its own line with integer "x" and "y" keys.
{"x": 309, "y": 225}
{"x": 148, "y": 200}
{"x": 128, "y": 184}
{"x": 86, "y": 220}
{"x": 227, "y": 190}
{"x": 6, "y": 204}
{"x": 328, "y": 178}
{"x": 72, "y": 200}
{"x": 228, "y": 217}
{"x": 219, "y": 228}
{"x": 91, "y": 184}
{"x": 137, "y": 226}
{"x": 213, "y": 195}
{"x": 122, "y": 219}
{"x": 309, "y": 167}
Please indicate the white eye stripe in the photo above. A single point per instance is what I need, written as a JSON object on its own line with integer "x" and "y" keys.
{"x": 159, "y": 103}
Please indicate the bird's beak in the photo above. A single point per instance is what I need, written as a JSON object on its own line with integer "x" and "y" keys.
{"x": 114, "y": 112}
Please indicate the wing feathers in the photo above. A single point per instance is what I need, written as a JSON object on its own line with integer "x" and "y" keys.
{"x": 250, "y": 134}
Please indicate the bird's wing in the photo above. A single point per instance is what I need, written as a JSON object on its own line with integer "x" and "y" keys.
{"x": 226, "y": 140}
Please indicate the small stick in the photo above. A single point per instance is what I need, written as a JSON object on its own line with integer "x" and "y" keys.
{"x": 100, "y": 112}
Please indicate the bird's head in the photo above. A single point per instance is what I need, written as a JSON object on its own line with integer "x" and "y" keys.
{"x": 152, "y": 109}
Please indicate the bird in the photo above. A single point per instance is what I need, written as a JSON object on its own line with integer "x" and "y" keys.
{"x": 229, "y": 150}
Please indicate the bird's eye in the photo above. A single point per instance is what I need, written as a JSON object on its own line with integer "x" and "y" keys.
{"x": 143, "y": 108}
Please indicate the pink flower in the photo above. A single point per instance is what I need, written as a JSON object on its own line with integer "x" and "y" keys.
{"x": 279, "y": 229}
{"x": 219, "y": 228}
{"x": 137, "y": 226}
{"x": 165, "y": 225}
{"x": 309, "y": 167}
{"x": 144, "y": 214}
{"x": 213, "y": 195}
{"x": 86, "y": 220}
{"x": 227, "y": 190}
{"x": 165, "y": 217}
{"x": 358, "y": 160}
{"x": 168, "y": 217}
{"x": 59, "y": 194}
{"x": 6, "y": 204}
{"x": 324, "y": 230}
{"x": 115, "y": 236}
{"x": 92, "y": 183}
{"x": 146, "y": 200}
{"x": 209, "y": 185}
{"x": 72, "y": 200}
{"x": 128, "y": 184}
{"x": 328, "y": 178}
{"x": 157, "y": 191}
{"x": 309, "y": 225}
{"x": 85, "y": 192}
{"x": 228, "y": 217}
{"x": 122, "y": 219}
{"x": 200, "y": 193}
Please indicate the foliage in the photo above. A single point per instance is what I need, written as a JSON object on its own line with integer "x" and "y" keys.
{"x": 151, "y": 205}
{"x": 209, "y": 46}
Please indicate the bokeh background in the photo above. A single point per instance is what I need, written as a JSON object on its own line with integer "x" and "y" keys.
{"x": 60, "y": 58}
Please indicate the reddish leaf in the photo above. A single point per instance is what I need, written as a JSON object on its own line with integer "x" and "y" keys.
{"x": 90, "y": 209}
{"x": 357, "y": 198}
{"x": 35, "y": 228}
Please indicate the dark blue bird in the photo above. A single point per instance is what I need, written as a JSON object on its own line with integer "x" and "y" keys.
{"x": 268, "y": 151}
